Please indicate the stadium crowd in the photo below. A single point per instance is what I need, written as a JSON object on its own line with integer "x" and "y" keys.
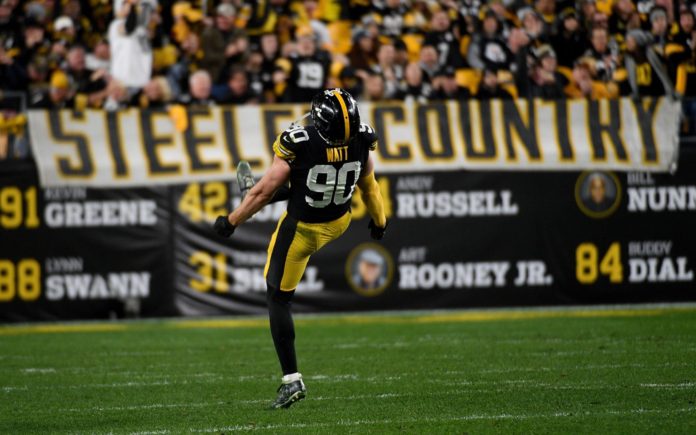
{"x": 145, "y": 53}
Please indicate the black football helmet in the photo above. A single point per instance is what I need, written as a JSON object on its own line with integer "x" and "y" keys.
{"x": 335, "y": 115}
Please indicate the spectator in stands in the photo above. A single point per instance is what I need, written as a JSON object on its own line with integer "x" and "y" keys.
{"x": 350, "y": 81}
{"x": 131, "y": 53}
{"x": 687, "y": 28}
{"x": 260, "y": 66}
{"x": 13, "y": 75}
{"x": 445, "y": 86}
{"x": 546, "y": 11}
{"x": 215, "y": 37}
{"x": 84, "y": 81}
{"x": 659, "y": 26}
{"x": 374, "y": 89}
{"x": 583, "y": 85}
{"x": 444, "y": 40}
{"x": 363, "y": 54}
{"x": 647, "y": 75}
{"x": 620, "y": 21}
{"x": 200, "y": 87}
{"x": 643, "y": 7}
{"x": 390, "y": 15}
{"x": 490, "y": 86}
{"x": 38, "y": 74}
{"x": 586, "y": 10}
{"x": 64, "y": 31}
{"x": 188, "y": 63}
{"x": 156, "y": 94}
{"x": 308, "y": 17}
{"x": 100, "y": 57}
{"x": 686, "y": 86}
{"x": 429, "y": 62}
{"x": 34, "y": 43}
{"x": 487, "y": 45}
{"x": 117, "y": 96}
{"x": 571, "y": 41}
{"x": 58, "y": 96}
{"x": 401, "y": 55}
{"x": 533, "y": 26}
{"x": 541, "y": 80}
{"x": 604, "y": 56}
{"x": 236, "y": 53}
{"x": 417, "y": 88}
{"x": 36, "y": 11}
{"x": 306, "y": 71}
{"x": 237, "y": 89}
{"x": 83, "y": 33}
{"x": 391, "y": 72}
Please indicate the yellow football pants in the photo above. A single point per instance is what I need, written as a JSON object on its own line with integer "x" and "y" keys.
{"x": 292, "y": 243}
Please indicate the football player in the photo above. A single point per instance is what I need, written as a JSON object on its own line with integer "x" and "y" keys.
{"x": 323, "y": 163}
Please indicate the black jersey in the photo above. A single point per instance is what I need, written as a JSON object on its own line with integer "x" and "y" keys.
{"x": 307, "y": 76}
{"x": 322, "y": 177}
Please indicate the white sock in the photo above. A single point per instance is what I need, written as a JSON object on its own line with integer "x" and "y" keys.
{"x": 292, "y": 377}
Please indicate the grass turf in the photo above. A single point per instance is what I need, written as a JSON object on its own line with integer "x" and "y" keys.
{"x": 538, "y": 371}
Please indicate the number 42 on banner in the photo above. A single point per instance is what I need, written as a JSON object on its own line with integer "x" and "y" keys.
{"x": 204, "y": 201}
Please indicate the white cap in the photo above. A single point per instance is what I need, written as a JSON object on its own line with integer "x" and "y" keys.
{"x": 62, "y": 22}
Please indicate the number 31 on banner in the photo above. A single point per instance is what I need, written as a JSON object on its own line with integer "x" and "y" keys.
{"x": 587, "y": 266}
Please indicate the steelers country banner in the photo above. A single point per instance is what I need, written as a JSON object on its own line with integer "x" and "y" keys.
{"x": 145, "y": 147}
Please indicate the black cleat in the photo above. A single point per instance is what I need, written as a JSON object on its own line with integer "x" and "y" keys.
{"x": 244, "y": 177}
{"x": 289, "y": 394}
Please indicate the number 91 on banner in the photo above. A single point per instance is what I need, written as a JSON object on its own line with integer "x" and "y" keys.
{"x": 18, "y": 208}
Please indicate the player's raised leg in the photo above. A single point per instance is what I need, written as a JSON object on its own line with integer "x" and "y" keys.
{"x": 244, "y": 177}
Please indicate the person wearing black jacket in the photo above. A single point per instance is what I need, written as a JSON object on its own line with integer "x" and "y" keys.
{"x": 540, "y": 79}
{"x": 571, "y": 41}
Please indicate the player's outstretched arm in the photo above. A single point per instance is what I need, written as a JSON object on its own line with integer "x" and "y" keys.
{"x": 259, "y": 195}
{"x": 373, "y": 200}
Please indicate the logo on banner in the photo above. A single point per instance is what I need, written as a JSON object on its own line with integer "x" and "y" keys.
{"x": 598, "y": 194}
{"x": 369, "y": 269}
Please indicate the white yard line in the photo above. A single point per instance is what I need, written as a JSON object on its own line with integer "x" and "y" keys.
{"x": 209, "y": 377}
{"x": 475, "y": 417}
{"x": 141, "y": 407}
{"x": 676, "y": 386}
{"x": 498, "y": 387}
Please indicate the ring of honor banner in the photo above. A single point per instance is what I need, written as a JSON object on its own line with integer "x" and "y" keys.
{"x": 145, "y": 147}
{"x": 80, "y": 253}
{"x": 464, "y": 239}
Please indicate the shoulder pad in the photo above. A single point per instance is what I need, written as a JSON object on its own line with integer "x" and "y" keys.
{"x": 369, "y": 136}
{"x": 288, "y": 142}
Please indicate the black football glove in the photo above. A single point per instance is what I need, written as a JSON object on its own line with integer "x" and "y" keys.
{"x": 376, "y": 232}
{"x": 223, "y": 226}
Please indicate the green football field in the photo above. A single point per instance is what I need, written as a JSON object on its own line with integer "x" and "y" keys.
{"x": 562, "y": 371}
